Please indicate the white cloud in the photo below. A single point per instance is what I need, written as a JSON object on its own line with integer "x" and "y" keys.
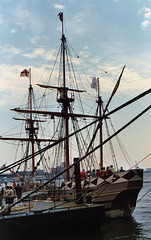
{"x": 12, "y": 50}
{"x": 58, "y": 6}
{"x": 78, "y": 18}
{"x": 86, "y": 47}
{"x": 13, "y": 87}
{"x": 13, "y": 31}
{"x": 77, "y": 24}
{"x": 85, "y": 54}
{"x": 38, "y": 52}
{"x": 147, "y": 16}
{"x": 145, "y": 23}
{"x": 34, "y": 40}
{"x": 1, "y": 19}
{"x": 10, "y": 77}
{"x": 21, "y": 15}
{"x": 133, "y": 82}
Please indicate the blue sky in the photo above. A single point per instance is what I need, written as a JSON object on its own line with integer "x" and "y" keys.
{"x": 107, "y": 33}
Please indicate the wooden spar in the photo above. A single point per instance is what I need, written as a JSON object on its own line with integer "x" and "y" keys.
{"x": 60, "y": 88}
{"x": 25, "y": 119}
{"x": 114, "y": 90}
{"x": 28, "y": 139}
{"x": 20, "y": 177}
{"x": 57, "y": 114}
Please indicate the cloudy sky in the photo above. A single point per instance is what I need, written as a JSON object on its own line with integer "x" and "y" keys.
{"x": 107, "y": 33}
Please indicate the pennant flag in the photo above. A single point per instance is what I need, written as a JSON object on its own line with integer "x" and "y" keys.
{"x": 94, "y": 83}
{"x": 24, "y": 73}
{"x": 60, "y": 16}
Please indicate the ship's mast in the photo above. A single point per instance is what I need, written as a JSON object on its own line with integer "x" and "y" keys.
{"x": 65, "y": 103}
{"x": 65, "y": 100}
{"x": 100, "y": 115}
{"x": 31, "y": 125}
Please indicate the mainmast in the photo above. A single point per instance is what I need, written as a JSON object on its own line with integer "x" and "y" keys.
{"x": 64, "y": 99}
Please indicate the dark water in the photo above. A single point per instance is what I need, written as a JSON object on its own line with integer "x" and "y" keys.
{"x": 136, "y": 228}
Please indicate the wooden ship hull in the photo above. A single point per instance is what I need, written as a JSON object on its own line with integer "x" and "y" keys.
{"x": 118, "y": 193}
{"x": 52, "y": 220}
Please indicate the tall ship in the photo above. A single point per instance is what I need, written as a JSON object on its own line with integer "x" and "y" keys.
{"x": 70, "y": 148}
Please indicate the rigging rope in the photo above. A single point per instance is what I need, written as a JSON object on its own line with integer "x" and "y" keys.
{"x": 144, "y": 195}
{"x": 63, "y": 139}
{"x": 123, "y": 150}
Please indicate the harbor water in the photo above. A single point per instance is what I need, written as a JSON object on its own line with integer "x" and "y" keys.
{"x": 136, "y": 228}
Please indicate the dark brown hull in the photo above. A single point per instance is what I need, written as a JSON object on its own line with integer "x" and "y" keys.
{"x": 57, "y": 220}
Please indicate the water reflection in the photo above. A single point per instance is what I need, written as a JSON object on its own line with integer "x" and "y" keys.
{"x": 111, "y": 229}
{"x": 121, "y": 229}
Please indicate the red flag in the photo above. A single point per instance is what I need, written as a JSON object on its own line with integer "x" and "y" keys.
{"x": 24, "y": 73}
{"x": 60, "y": 16}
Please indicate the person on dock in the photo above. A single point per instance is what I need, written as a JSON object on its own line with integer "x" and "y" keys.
{"x": 98, "y": 173}
{"x": 5, "y": 187}
{"x": 14, "y": 184}
{"x": 10, "y": 195}
{"x": 18, "y": 190}
{"x": 112, "y": 169}
{"x": 93, "y": 173}
{"x": 1, "y": 196}
{"x": 83, "y": 174}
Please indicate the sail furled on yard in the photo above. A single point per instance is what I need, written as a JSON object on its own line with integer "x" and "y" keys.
{"x": 115, "y": 89}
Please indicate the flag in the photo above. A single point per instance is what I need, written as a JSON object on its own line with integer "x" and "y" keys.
{"x": 94, "y": 83}
{"x": 24, "y": 73}
{"x": 60, "y": 16}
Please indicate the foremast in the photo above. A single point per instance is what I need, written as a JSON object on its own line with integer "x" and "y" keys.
{"x": 31, "y": 127}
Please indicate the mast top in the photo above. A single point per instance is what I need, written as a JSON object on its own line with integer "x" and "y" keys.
{"x": 61, "y": 19}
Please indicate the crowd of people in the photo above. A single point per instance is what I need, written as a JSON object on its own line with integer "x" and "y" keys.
{"x": 99, "y": 172}
{"x": 9, "y": 193}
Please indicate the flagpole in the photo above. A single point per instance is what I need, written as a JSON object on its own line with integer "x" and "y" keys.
{"x": 98, "y": 87}
{"x": 29, "y": 76}
{"x": 62, "y": 25}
